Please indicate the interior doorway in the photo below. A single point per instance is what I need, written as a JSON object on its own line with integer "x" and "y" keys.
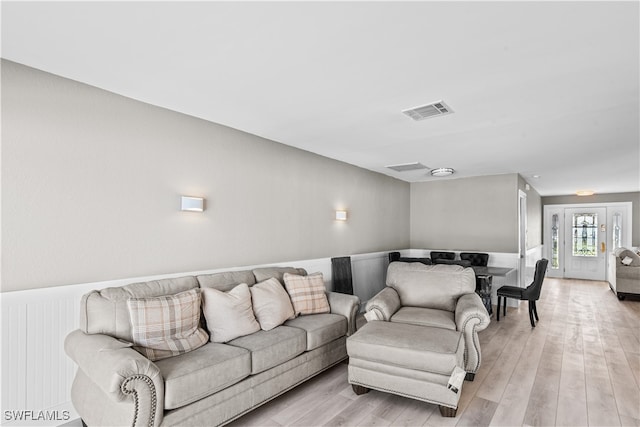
{"x": 579, "y": 237}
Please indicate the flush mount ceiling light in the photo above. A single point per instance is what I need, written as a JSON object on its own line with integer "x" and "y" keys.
{"x": 442, "y": 172}
{"x": 585, "y": 193}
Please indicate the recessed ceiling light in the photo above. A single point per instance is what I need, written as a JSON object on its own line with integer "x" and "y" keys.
{"x": 442, "y": 172}
{"x": 535, "y": 176}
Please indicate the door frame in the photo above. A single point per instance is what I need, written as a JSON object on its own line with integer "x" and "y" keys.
{"x": 625, "y": 208}
{"x": 522, "y": 238}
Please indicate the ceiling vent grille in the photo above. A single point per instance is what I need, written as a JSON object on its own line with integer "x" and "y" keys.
{"x": 404, "y": 167}
{"x": 434, "y": 109}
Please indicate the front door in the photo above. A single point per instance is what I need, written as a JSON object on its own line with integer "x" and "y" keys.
{"x": 585, "y": 243}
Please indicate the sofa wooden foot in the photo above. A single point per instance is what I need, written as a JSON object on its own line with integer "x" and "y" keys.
{"x": 358, "y": 389}
{"x": 470, "y": 376}
{"x": 445, "y": 411}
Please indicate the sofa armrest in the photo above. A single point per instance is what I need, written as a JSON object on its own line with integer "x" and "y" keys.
{"x": 121, "y": 373}
{"x": 384, "y": 304}
{"x": 471, "y": 317}
{"x": 346, "y": 305}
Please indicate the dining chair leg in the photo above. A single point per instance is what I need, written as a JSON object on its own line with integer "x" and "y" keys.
{"x": 504, "y": 309}
{"x": 498, "y": 310}
{"x": 535, "y": 311}
{"x": 533, "y": 324}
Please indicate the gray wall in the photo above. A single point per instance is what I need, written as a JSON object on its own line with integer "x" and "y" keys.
{"x": 474, "y": 214}
{"x": 91, "y": 185}
{"x": 634, "y": 198}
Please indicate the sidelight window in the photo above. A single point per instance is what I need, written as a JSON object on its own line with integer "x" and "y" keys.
{"x": 555, "y": 248}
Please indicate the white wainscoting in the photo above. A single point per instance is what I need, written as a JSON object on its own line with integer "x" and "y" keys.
{"x": 36, "y": 373}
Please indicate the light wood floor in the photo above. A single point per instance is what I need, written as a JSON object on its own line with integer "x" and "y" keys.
{"x": 579, "y": 366}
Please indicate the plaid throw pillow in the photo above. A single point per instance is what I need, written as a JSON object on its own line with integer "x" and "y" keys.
{"x": 166, "y": 326}
{"x": 307, "y": 293}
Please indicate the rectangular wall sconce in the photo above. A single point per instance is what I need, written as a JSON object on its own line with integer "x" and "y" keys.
{"x": 341, "y": 215}
{"x": 192, "y": 204}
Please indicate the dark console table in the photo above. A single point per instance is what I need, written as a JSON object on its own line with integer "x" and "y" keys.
{"x": 483, "y": 288}
{"x": 485, "y": 283}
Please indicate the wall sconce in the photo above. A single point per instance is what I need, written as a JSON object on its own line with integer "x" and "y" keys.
{"x": 341, "y": 215}
{"x": 192, "y": 204}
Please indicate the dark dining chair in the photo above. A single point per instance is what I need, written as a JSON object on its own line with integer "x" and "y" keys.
{"x": 531, "y": 293}
{"x": 477, "y": 259}
{"x": 438, "y": 256}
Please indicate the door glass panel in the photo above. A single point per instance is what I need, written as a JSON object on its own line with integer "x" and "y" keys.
{"x": 617, "y": 231}
{"x": 555, "y": 259}
{"x": 585, "y": 234}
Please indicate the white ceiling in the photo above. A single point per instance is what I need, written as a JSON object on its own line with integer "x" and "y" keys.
{"x": 538, "y": 88}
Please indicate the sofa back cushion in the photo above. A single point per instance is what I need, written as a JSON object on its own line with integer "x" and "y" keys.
{"x": 226, "y": 280}
{"x": 435, "y": 286}
{"x": 106, "y": 311}
{"x": 265, "y": 273}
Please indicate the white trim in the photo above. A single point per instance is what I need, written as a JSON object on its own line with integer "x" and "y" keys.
{"x": 610, "y": 207}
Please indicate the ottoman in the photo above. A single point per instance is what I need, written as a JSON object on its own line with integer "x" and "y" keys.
{"x": 408, "y": 360}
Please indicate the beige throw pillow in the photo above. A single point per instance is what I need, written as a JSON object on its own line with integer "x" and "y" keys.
{"x": 307, "y": 293}
{"x": 271, "y": 304}
{"x": 229, "y": 315}
{"x": 166, "y": 326}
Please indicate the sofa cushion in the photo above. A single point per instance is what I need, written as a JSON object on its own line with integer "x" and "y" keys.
{"x": 168, "y": 325}
{"x": 202, "y": 372}
{"x": 271, "y": 348}
{"x": 271, "y": 304}
{"x": 106, "y": 311}
{"x": 425, "y": 317}
{"x": 431, "y": 286}
{"x": 262, "y": 274}
{"x": 308, "y": 293}
{"x": 320, "y": 328}
{"x": 227, "y": 280}
{"x": 229, "y": 315}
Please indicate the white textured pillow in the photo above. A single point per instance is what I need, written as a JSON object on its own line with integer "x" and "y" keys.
{"x": 271, "y": 304}
{"x": 627, "y": 260}
{"x": 229, "y": 315}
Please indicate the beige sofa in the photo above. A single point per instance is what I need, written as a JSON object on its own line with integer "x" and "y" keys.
{"x": 624, "y": 280}
{"x": 211, "y": 385}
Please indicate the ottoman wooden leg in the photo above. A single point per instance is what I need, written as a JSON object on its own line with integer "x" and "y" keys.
{"x": 445, "y": 411}
{"x": 358, "y": 389}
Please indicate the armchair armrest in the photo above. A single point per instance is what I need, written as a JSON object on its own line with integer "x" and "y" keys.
{"x": 346, "y": 305}
{"x": 121, "y": 373}
{"x": 384, "y": 304}
{"x": 471, "y": 317}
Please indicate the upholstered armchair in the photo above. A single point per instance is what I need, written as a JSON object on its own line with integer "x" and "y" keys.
{"x": 439, "y": 296}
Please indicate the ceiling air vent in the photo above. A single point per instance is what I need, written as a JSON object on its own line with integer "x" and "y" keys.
{"x": 407, "y": 167}
{"x": 430, "y": 110}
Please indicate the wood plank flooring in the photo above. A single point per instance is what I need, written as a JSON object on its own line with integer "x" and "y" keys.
{"x": 579, "y": 366}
